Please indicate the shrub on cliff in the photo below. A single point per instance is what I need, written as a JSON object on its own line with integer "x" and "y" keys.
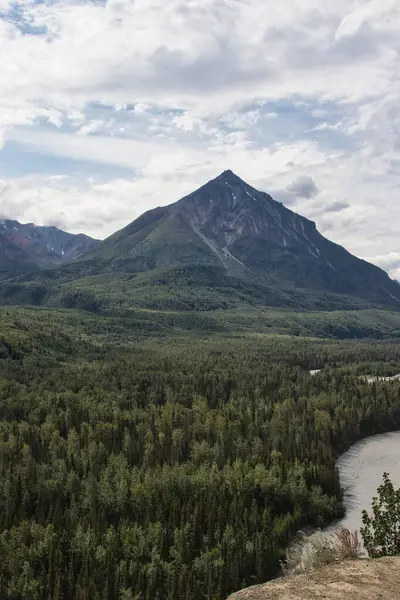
{"x": 381, "y": 531}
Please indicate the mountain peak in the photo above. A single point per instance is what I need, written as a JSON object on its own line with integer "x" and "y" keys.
{"x": 228, "y": 175}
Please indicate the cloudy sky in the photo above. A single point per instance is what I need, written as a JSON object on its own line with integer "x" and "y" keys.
{"x": 109, "y": 108}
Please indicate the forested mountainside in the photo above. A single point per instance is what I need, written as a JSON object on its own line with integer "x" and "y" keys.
{"x": 173, "y": 467}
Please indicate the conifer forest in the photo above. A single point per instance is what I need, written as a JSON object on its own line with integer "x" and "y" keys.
{"x": 170, "y": 468}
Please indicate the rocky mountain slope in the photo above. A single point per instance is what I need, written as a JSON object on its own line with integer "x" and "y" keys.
{"x": 226, "y": 245}
{"x": 365, "y": 579}
{"x": 230, "y": 225}
{"x": 31, "y": 247}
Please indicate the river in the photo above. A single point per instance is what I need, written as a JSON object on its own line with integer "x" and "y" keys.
{"x": 361, "y": 472}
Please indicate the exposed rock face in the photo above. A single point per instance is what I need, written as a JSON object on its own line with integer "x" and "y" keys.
{"x": 228, "y": 223}
{"x": 227, "y": 210}
{"x": 363, "y": 579}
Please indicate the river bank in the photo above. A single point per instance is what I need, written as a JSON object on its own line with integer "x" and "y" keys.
{"x": 361, "y": 471}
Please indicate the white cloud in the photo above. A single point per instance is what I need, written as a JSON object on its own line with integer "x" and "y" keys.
{"x": 129, "y": 153}
{"x": 390, "y": 262}
{"x": 277, "y": 92}
{"x": 92, "y": 126}
{"x": 190, "y": 54}
{"x": 93, "y": 208}
{"x": 167, "y": 173}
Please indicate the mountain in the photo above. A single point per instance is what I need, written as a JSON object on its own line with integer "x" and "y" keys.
{"x": 225, "y": 245}
{"x": 35, "y": 247}
{"x": 14, "y": 259}
{"x": 229, "y": 224}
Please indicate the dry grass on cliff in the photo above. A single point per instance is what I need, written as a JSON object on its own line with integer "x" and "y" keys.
{"x": 362, "y": 579}
{"x": 329, "y": 567}
{"x": 308, "y": 553}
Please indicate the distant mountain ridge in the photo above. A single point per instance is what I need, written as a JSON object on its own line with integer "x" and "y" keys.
{"x": 224, "y": 245}
{"x": 13, "y": 260}
{"x": 32, "y": 247}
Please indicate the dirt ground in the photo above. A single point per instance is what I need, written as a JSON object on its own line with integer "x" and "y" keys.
{"x": 362, "y": 579}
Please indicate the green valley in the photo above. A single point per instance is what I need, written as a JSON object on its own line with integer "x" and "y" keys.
{"x": 161, "y": 434}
